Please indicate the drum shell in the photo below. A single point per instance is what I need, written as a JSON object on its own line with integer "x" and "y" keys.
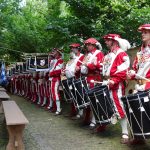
{"x": 139, "y": 120}
{"x": 103, "y": 109}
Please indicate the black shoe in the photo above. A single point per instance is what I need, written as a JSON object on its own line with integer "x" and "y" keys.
{"x": 137, "y": 142}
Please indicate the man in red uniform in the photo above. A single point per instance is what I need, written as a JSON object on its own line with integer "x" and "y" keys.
{"x": 75, "y": 48}
{"x": 29, "y": 78}
{"x": 47, "y": 91}
{"x": 72, "y": 70}
{"x": 12, "y": 83}
{"x": 34, "y": 86}
{"x": 26, "y": 87}
{"x": 23, "y": 85}
{"x": 41, "y": 89}
{"x": 116, "y": 64}
{"x": 141, "y": 67}
{"x": 91, "y": 68}
{"x": 54, "y": 74}
{"x": 49, "y": 102}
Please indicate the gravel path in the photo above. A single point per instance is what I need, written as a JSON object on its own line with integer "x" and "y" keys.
{"x": 48, "y": 132}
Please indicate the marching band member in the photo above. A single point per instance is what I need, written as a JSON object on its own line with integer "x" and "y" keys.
{"x": 116, "y": 64}
{"x": 16, "y": 84}
{"x": 49, "y": 103}
{"x": 141, "y": 67}
{"x": 34, "y": 83}
{"x": 23, "y": 85}
{"x": 41, "y": 89}
{"x": 44, "y": 89}
{"x": 78, "y": 58}
{"x": 29, "y": 77}
{"x": 12, "y": 84}
{"x": 47, "y": 90}
{"x": 17, "y": 77}
{"x": 72, "y": 69}
{"x": 31, "y": 86}
{"x": 26, "y": 85}
{"x": 54, "y": 74}
{"x": 91, "y": 68}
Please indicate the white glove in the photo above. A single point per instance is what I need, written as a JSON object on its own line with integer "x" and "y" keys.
{"x": 140, "y": 87}
{"x": 99, "y": 46}
{"x": 111, "y": 82}
{"x": 131, "y": 72}
{"x": 84, "y": 69}
{"x": 105, "y": 82}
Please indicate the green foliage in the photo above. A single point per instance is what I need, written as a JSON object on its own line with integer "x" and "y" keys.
{"x": 44, "y": 24}
{"x": 24, "y": 30}
{"x": 134, "y": 20}
{"x": 101, "y": 17}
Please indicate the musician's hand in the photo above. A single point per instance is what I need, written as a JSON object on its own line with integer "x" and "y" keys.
{"x": 84, "y": 64}
{"x": 111, "y": 82}
{"x": 105, "y": 82}
{"x": 77, "y": 69}
{"x": 130, "y": 74}
{"x": 94, "y": 62}
{"x": 62, "y": 73}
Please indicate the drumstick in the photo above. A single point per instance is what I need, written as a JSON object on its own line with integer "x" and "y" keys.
{"x": 93, "y": 81}
{"x": 142, "y": 77}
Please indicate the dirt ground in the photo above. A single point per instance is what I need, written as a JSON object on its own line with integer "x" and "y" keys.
{"x": 48, "y": 132}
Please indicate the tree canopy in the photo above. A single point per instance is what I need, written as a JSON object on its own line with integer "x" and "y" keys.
{"x": 40, "y": 25}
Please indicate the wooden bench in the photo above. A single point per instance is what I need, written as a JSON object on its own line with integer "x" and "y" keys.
{"x": 2, "y": 89}
{"x": 15, "y": 121}
{"x": 3, "y": 97}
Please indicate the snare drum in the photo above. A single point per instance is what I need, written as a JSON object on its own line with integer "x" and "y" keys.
{"x": 137, "y": 107}
{"x": 79, "y": 92}
{"x": 101, "y": 104}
